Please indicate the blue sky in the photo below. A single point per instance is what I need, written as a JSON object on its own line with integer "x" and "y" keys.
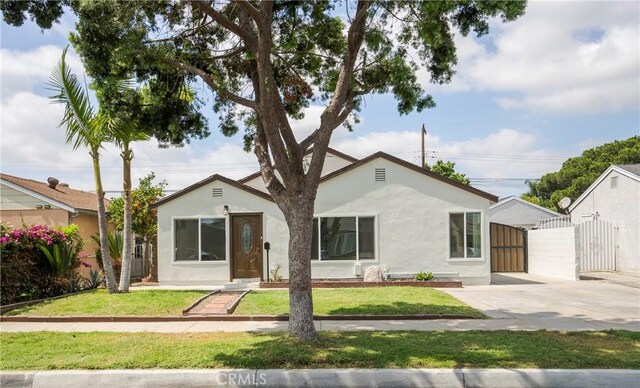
{"x": 563, "y": 78}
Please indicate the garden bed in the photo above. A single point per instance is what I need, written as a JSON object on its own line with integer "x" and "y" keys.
{"x": 359, "y": 283}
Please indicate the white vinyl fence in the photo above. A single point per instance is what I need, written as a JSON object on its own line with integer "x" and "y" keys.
{"x": 562, "y": 250}
{"x": 597, "y": 242}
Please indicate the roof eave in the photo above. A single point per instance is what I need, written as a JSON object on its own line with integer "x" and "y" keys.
{"x": 39, "y": 196}
{"x": 212, "y": 178}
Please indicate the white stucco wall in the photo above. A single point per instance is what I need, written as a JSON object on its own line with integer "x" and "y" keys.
{"x": 621, "y": 206}
{"x": 552, "y": 253}
{"x": 516, "y": 213}
{"x": 411, "y": 210}
{"x": 201, "y": 203}
{"x": 412, "y": 215}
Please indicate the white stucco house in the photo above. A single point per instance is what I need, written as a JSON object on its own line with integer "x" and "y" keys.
{"x": 517, "y": 212}
{"x": 615, "y": 197}
{"x": 378, "y": 211}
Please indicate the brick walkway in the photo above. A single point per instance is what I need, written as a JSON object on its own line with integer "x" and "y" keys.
{"x": 216, "y": 304}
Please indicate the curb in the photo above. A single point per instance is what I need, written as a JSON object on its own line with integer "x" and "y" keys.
{"x": 498, "y": 378}
{"x": 229, "y": 318}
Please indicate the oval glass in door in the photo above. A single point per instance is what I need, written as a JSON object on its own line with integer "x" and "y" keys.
{"x": 246, "y": 238}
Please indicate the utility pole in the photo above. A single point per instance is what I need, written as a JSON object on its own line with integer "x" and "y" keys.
{"x": 424, "y": 134}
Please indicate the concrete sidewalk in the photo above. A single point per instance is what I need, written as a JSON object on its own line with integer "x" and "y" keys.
{"x": 364, "y": 378}
{"x": 530, "y": 323}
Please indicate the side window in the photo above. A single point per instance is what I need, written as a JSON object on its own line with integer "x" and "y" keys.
{"x": 465, "y": 235}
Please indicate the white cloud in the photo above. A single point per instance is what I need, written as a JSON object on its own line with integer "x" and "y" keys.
{"x": 560, "y": 57}
{"x": 23, "y": 70}
{"x": 506, "y": 153}
{"x": 33, "y": 147}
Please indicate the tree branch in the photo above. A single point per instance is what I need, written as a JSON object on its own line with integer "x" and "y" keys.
{"x": 206, "y": 77}
{"x": 252, "y": 11}
{"x": 247, "y": 35}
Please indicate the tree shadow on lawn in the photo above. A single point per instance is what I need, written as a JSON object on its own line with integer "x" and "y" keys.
{"x": 404, "y": 308}
{"x": 500, "y": 349}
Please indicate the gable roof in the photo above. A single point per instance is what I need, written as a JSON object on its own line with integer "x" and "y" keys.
{"x": 208, "y": 180}
{"x": 526, "y": 203}
{"x": 628, "y": 170}
{"x": 410, "y": 166}
{"x": 61, "y": 196}
{"x": 632, "y": 168}
{"x": 330, "y": 150}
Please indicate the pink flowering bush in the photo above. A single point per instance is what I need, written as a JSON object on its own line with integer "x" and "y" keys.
{"x": 25, "y": 271}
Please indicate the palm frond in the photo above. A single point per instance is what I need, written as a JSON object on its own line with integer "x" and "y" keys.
{"x": 79, "y": 115}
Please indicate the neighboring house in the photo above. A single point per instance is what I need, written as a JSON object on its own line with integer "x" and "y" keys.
{"x": 615, "y": 197}
{"x": 378, "y": 211}
{"x": 517, "y": 212}
{"x": 52, "y": 204}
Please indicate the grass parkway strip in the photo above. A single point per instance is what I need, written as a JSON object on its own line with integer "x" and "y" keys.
{"x": 408, "y": 349}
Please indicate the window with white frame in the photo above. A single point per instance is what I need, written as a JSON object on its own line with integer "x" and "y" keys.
{"x": 343, "y": 238}
{"x": 465, "y": 235}
{"x": 200, "y": 239}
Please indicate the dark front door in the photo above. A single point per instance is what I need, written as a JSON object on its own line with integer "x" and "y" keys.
{"x": 246, "y": 246}
{"x": 508, "y": 248}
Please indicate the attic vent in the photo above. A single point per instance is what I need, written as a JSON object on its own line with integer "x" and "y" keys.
{"x": 217, "y": 192}
{"x": 380, "y": 174}
{"x": 614, "y": 182}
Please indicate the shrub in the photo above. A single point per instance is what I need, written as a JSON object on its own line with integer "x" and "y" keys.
{"x": 423, "y": 276}
{"x": 116, "y": 242}
{"x": 25, "y": 272}
{"x": 276, "y": 275}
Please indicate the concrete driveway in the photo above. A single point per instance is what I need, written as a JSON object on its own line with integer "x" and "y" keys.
{"x": 585, "y": 303}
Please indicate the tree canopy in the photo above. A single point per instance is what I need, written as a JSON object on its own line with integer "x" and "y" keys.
{"x": 448, "y": 169}
{"x": 578, "y": 173}
{"x": 145, "y": 222}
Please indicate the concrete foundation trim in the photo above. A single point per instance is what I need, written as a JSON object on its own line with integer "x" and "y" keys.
{"x": 325, "y": 378}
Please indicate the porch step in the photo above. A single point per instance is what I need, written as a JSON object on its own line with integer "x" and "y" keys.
{"x": 246, "y": 280}
{"x": 242, "y": 284}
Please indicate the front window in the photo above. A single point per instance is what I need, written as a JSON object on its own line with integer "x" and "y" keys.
{"x": 202, "y": 239}
{"x": 343, "y": 238}
{"x": 465, "y": 235}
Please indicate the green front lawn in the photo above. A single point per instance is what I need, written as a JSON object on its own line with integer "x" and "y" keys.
{"x": 99, "y": 302}
{"x": 366, "y": 301}
{"x": 408, "y": 349}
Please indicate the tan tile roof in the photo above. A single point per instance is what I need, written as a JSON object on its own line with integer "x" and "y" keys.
{"x": 77, "y": 199}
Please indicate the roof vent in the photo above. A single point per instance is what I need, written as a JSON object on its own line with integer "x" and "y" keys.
{"x": 614, "y": 182}
{"x": 53, "y": 182}
{"x": 380, "y": 174}
{"x": 63, "y": 185}
{"x": 217, "y": 192}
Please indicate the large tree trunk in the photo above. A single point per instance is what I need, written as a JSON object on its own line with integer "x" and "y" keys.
{"x": 299, "y": 216}
{"x": 107, "y": 264}
{"x": 125, "y": 272}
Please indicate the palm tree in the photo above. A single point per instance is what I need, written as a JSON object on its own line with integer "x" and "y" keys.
{"x": 123, "y": 136}
{"x": 85, "y": 128}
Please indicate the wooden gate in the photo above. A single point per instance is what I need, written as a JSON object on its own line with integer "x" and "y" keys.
{"x": 508, "y": 248}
